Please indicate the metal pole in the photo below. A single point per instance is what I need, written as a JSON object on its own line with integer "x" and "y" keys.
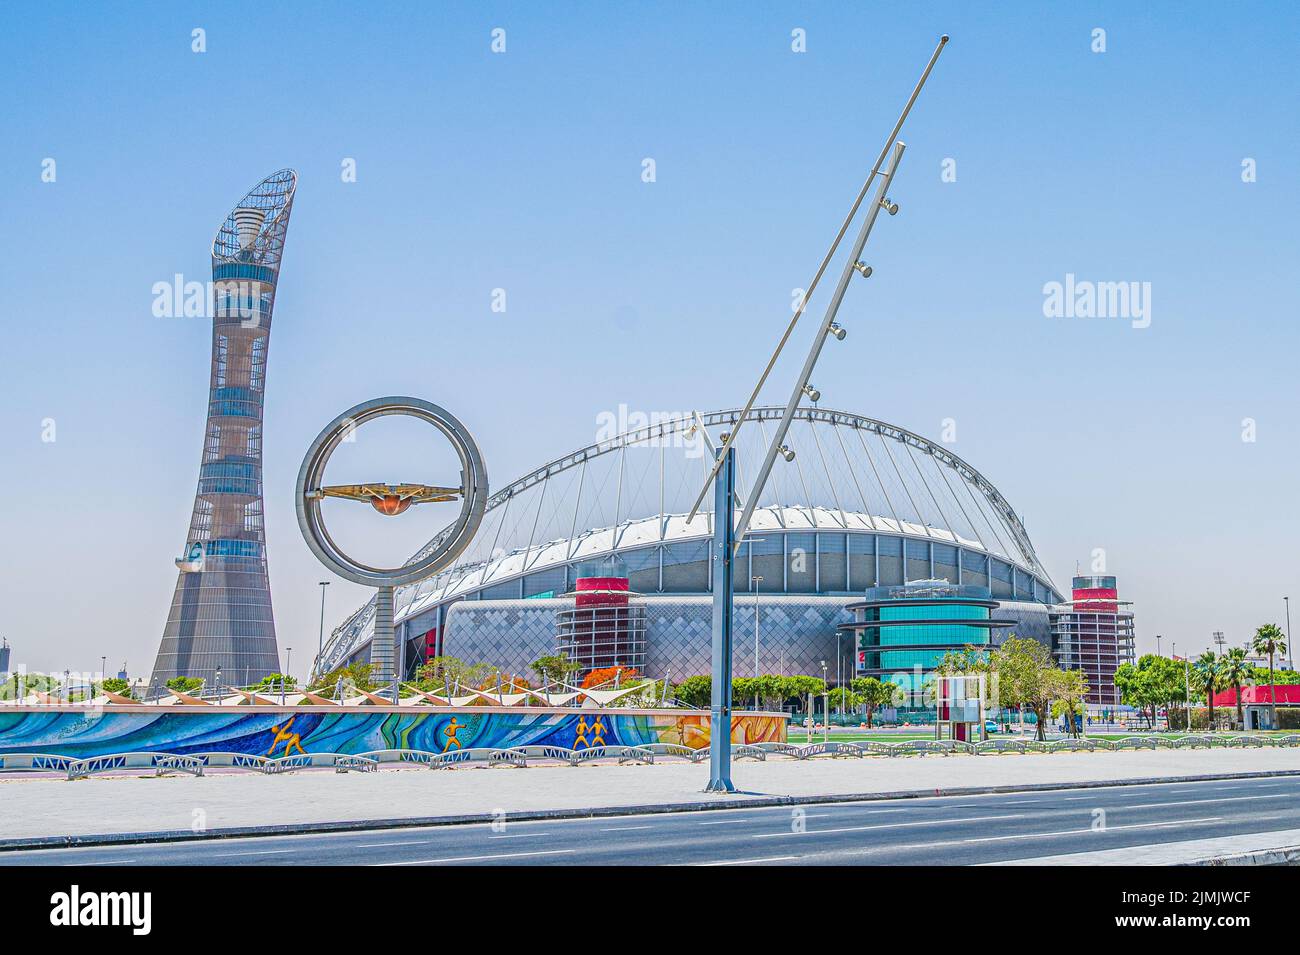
{"x": 819, "y": 341}
{"x": 321, "y": 644}
{"x": 826, "y": 261}
{"x": 724, "y": 556}
{"x": 1290, "y": 651}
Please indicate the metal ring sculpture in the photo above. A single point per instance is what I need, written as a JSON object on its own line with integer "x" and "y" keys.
{"x": 473, "y": 493}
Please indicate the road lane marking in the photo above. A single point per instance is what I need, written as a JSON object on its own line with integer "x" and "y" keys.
{"x": 521, "y": 835}
{"x": 891, "y": 825}
{"x": 1194, "y": 802}
{"x": 113, "y": 862}
{"x": 625, "y": 828}
{"x": 501, "y": 855}
{"x": 261, "y": 852}
{"x": 748, "y": 861}
{"x": 1036, "y": 835}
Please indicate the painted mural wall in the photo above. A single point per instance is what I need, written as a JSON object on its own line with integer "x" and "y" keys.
{"x": 275, "y": 731}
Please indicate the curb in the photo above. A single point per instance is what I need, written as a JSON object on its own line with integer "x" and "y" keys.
{"x": 413, "y": 822}
{"x": 1283, "y": 855}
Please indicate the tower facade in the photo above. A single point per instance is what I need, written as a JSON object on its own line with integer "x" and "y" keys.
{"x": 1094, "y": 633}
{"x": 220, "y": 626}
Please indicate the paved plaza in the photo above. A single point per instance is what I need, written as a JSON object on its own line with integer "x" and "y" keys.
{"x": 107, "y": 806}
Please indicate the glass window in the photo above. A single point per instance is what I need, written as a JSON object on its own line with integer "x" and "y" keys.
{"x": 918, "y": 560}
{"x": 831, "y": 563}
{"x": 890, "y": 551}
{"x": 801, "y": 563}
{"x": 643, "y": 569}
{"x": 686, "y": 567}
{"x": 768, "y": 561}
{"x": 945, "y": 562}
{"x": 550, "y": 581}
{"x": 862, "y": 562}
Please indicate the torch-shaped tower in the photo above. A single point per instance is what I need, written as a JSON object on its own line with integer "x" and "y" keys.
{"x": 220, "y": 616}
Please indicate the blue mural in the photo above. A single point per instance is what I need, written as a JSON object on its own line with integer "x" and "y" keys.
{"x": 294, "y": 730}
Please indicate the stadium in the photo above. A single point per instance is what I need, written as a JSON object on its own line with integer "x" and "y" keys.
{"x": 856, "y": 505}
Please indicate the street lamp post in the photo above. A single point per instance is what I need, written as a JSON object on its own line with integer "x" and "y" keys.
{"x": 321, "y": 641}
{"x": 1157, "y": 644}
{"x": 826, "y": 710}
{"x": 1290, "y": 651}
{"x": 285, "y": 675}
{"x": 754, "y": 582}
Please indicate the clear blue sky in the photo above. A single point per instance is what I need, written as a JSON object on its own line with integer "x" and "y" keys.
{"x": 522, "y": 171}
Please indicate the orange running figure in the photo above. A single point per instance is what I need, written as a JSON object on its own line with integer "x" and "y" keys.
{"x": 598, "y": 731}
{"x": 291, "y": 741}
{"x": 581, "y": 733}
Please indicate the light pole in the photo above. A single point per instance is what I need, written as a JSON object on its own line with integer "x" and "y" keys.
{"x": 103, "y": 672}
{"x": 826, "y": 710}
{"x": 1157, "y": 644}
{"x": 754, "y": 582}
{"x": 1290, "y": 652}
{"x": 321, "y": 649}
{"x": 283, "y": 676}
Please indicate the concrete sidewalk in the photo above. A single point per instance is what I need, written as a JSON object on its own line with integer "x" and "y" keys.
{"x": 130, "y": 808}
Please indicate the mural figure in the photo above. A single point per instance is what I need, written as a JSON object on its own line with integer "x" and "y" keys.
{"x": 450, "y": 731}
{"x": 580, "y": 734}
{"x": 598, "y": 731}
{"x": 291, "y": 741}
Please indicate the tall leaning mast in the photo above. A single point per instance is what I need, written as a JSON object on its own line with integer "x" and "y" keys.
{"x": 220, "y": 620}
{"x": 729, "y": 532}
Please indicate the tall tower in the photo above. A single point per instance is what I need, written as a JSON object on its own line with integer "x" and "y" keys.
{"x": 221, "y": 612}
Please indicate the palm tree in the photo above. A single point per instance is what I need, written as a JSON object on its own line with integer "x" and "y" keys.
{"x": 1235, "y": 671}
{"x": 1269, "y": 639}
{"x": 1209, "y": 679}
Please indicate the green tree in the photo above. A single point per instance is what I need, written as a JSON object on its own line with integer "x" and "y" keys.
{"x": 696, "y": 692}
{"x": 353, "y": 674}
{"x": 1209, "y": 680}
{"x": 1024, "y": 675}
{"x": 555, "y": 668}
{"x": 114, "y": 685}
{"x": 875, "y": 693}
{"x": 1270, "y": 640}
{"x": 1070, "y": 688}
{"x": 274, "y": 680}
{"x": 443, "y": 673}
{"x": 1236, "y": 672}
{"x": 184, "y": 684}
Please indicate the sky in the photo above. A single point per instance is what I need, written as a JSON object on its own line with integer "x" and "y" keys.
{"x": 1164, "y": 443}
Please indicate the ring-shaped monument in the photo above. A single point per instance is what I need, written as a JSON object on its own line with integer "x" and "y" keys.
{"x": 391, "y": 500}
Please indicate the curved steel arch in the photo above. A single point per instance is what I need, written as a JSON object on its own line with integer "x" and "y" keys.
{"x": 686, "y": 423}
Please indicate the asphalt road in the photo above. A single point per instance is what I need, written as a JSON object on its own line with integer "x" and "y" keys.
{"x": 931, "y": 831}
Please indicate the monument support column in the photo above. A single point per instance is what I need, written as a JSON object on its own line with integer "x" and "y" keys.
{"x": 723, "y": 557}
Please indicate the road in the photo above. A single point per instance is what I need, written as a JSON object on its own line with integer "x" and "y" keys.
{"x": 930, "y": 831}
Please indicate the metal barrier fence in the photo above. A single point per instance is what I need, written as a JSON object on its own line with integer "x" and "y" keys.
{"x": 522, "y": 756}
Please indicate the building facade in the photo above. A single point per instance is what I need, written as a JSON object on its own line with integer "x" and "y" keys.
{"x": 1093, "y": 632}
{"x": 220, "y": 621}
{"x": 902, "y": 632}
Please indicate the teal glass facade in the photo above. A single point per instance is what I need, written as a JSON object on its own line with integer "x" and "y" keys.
{"x": 901, "y": 632}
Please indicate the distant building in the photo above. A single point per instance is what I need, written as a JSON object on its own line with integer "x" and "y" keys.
{"x": 4, "y": 657}
{"x": 1257, "y": 703}
{"x": 1093, "y": 633}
